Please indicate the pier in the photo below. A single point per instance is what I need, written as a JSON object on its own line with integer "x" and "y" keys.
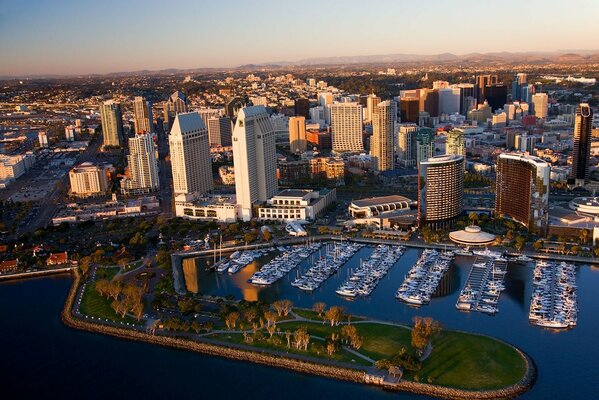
{"x": 484, "y": 285}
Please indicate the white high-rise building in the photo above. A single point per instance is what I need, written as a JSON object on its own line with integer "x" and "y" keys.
{"x": 346, "y": 127}
{"x": 254, "y": 158}
{"x": 142, "y": 115}
{"x": 207, "y": 113}
{"x": 449, "y": 100}
{"x": 190, "y": 155}
{"x": 381, "y": 143}
{"x": 43, "y": 138}
{"x": 142, "y": 166}
{"x": 89, "y": 179}
{"x": 540, "y": 101}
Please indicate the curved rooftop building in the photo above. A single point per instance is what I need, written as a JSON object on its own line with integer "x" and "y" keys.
{"x": 442, "y": 200}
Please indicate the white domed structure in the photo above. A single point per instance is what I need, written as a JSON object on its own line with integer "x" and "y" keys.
{"x": 472, "y": 235}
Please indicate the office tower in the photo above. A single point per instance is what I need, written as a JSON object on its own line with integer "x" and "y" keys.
{"x": 175, "y": 104}
{"x": 255, "y": 159}
{"x": 410, "y": 109}
{"x": 510, "y": 140}
{"x": 207, "y": 113}
{"x": 525, "y": 143}
{"x": 467, "y": 96}
{"x": 522, "y": 190}
{"x": 482, "y": 81}
{"x": 455, "y": 143}
{"x": 69, "y": 133}
{"x": 88, "y": 179}
{"x": 190, "y": 155}
{"x": 519, "y": 82}
{"x": 142, "y": 166}
{"x": 233, "y": 106}
{"x": 346, "y": 127}
{"x": 583, "y": 126}
{"x": 302, "y": 108}
{"x": 429, "y": 101}
{"x": 142, "y": 115}
{"x": 481, "y": 114}
{"x": 406, "y": 144}
{"x": 449, "y": 100}
{"x": 317, "y": 114}
{"x": 297, "y": 134}
{"x": 371, "y": 102}
{"x": 440, "y": 84}
{"x": 496, "y": 95}
{"x": 112, "y": 124}
{"x": 526, "y": 93}
{"x": 540, "y": 103}
{"x": 425, "y": 144}
{"x": 381, "y": 143}
{"x": 325, "y": 99}
{"x": 442, "y": 200}
{"x": 220, "y": 130}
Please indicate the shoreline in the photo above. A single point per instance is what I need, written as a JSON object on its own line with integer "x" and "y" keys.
{"x": 294, "y": 364}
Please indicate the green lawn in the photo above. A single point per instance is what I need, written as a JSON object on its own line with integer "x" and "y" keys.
{"x": 341, "y": 356}
{"x": 106, "y": 272}
{"x": 309, "y": 314}
{"x": 469, "y": 361}
{"x": 94, "y": 305}
{"x": 383, "y": 341}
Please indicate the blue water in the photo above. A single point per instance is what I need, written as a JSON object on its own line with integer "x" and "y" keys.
{"x": 41, "y": 357}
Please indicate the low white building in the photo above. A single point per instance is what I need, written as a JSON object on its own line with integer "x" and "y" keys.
{"x": 12, "y": 167}
{"x": 206, "y": 208}
{"x": 297, "y": 205}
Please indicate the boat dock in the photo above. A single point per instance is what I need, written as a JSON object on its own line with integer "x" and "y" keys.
{"x": 554, "y": 303}
{"x": 484, "y": 285}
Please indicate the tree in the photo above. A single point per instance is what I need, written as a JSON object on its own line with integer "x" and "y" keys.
{"x": 250, "y": 314}
{"x": 85, "y": 264}
{"x": 278, "y": 307}
{"x": 231, "y": 319}
{"x": 319, "y": 308}
{"x": 473, "y": 217}
{"x": 271, "y": 318}
{"x": 282, "y": 307}
{"x": 334, "y": 315}
{"x": 538, "y": 245}
{"x": 520, "y": 242}
{"x": 301, "y": 338}
{"x": 331, "y": 348}
{"x": 271, "y": 330}
{"x": 288, "y": 335}
{"x": 266, "y": 235}
{"x": 423, "y": 330}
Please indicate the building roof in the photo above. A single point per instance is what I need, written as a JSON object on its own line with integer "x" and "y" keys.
{"x": 375, "y": 201}
{"x": 9, "y": 264}
{"x": 300, "y": 193}
{"x": 252, "y": 111}
{"x": 472, "y": 236}
{"x": 187, "y": 122}
{"x": 58, "y": 258}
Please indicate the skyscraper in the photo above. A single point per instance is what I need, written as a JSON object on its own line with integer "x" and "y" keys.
{"x": 519, "y": 82}
{"x": 302, "y": 108}
{"x": 522, "y": 190}
{"x": 540, "y": 102}
{"x": 482, "y": 81}
{"x": 425, "y": 144}
{"x": 175, "y": 104}
{"x": 455, "y": 144}
{"x": 297, "y": 134}
{"x": 142, "y": 166}
{"x": 449, "y": 101}
{"x": 255, "y": 159}
{"x": 496, "y": 95}
{"x": 583, "y": 126}
{"x": 381, "y": 143}
{"x": 207, "y": 113}
{"x": 346, "y": 127}
{"x": 442, "y": 200}
{"x": 410, "y": 109}
{"x": 406, "y": 144}
{"x": 142, "y": 115}
{"x": 220, "y": 130}
{"x": 112, "y": 124}
{"x": 371, "y": 102}
{"x": 190, "y": 155}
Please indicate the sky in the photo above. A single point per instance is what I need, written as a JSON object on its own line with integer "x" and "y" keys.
{"x": 100, "y": 36}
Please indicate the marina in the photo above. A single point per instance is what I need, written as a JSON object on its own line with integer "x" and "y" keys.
{"x": 239, "y": 260}
{"x": 336, "y": 255}
{"x": 282, "y": 264}
{"x": 484, "y": 284}
{"x": 553, "y": 303}
{"x": 424, "y": 277}
{"x": 364, "y": 279}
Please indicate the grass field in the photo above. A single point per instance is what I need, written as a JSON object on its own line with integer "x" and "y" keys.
{"x": 469, "y": 361}
{"x": 341, "y": 356}
{"x": 309, "y": 314}
{"x": 94, "y": 305}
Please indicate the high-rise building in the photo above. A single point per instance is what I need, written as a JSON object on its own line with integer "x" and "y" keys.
{"x": 467, "y": 97}
{"x": 482, "y": 81}
{"x": 142, "y": 166}
{"x": 112, "y": 124}
{"x": 381, "y": 142}
{"x": 42, "y": 137}
{"x": 406, "y": 144}
{"x": 455, "y": 143}
{"x": 522, "y": 190}
{"x": 255, "y": 159}
{"x": 496, "y": 95}
{"x": 526, "y": 93}
{"x": 302, "y": 107}
{"x": 410, "y": 109}
{"x": 583, "y": 127}
{"x": 69, "y": 132}
{"x": 429, "y": 101}
{"x": 442, "y": 201}
{"x": 190, "y": 155}
{"x": 142, "y": 115}
{"x": 88, "y": 179}
{"x": 207, "y": 113}
{"x": 425, "y": 144}
{"x": 449, "y": 100}
{"x": 346, "y": 127}
{"x": 234, "y": 105}
{"x": 371, "y": 102}
{"x": 220, "y": 130}
{"x": 175, "y": 104}
{"x": 540, "y": 102}
{"x": 481, "y": 114}
{"x": 297, "y": 134}
{"x": 519, "y": 82}
{"x": 525, "y": 143}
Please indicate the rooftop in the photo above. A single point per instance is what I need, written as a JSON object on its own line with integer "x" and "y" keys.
{"x": 472, "y": 236}
{"x": 374, "y": 201}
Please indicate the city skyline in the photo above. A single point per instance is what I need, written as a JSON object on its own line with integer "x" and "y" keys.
{"x": 68, "y": 38}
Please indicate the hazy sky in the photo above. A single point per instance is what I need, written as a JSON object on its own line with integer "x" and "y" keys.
{"x": 99, "y": 36}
